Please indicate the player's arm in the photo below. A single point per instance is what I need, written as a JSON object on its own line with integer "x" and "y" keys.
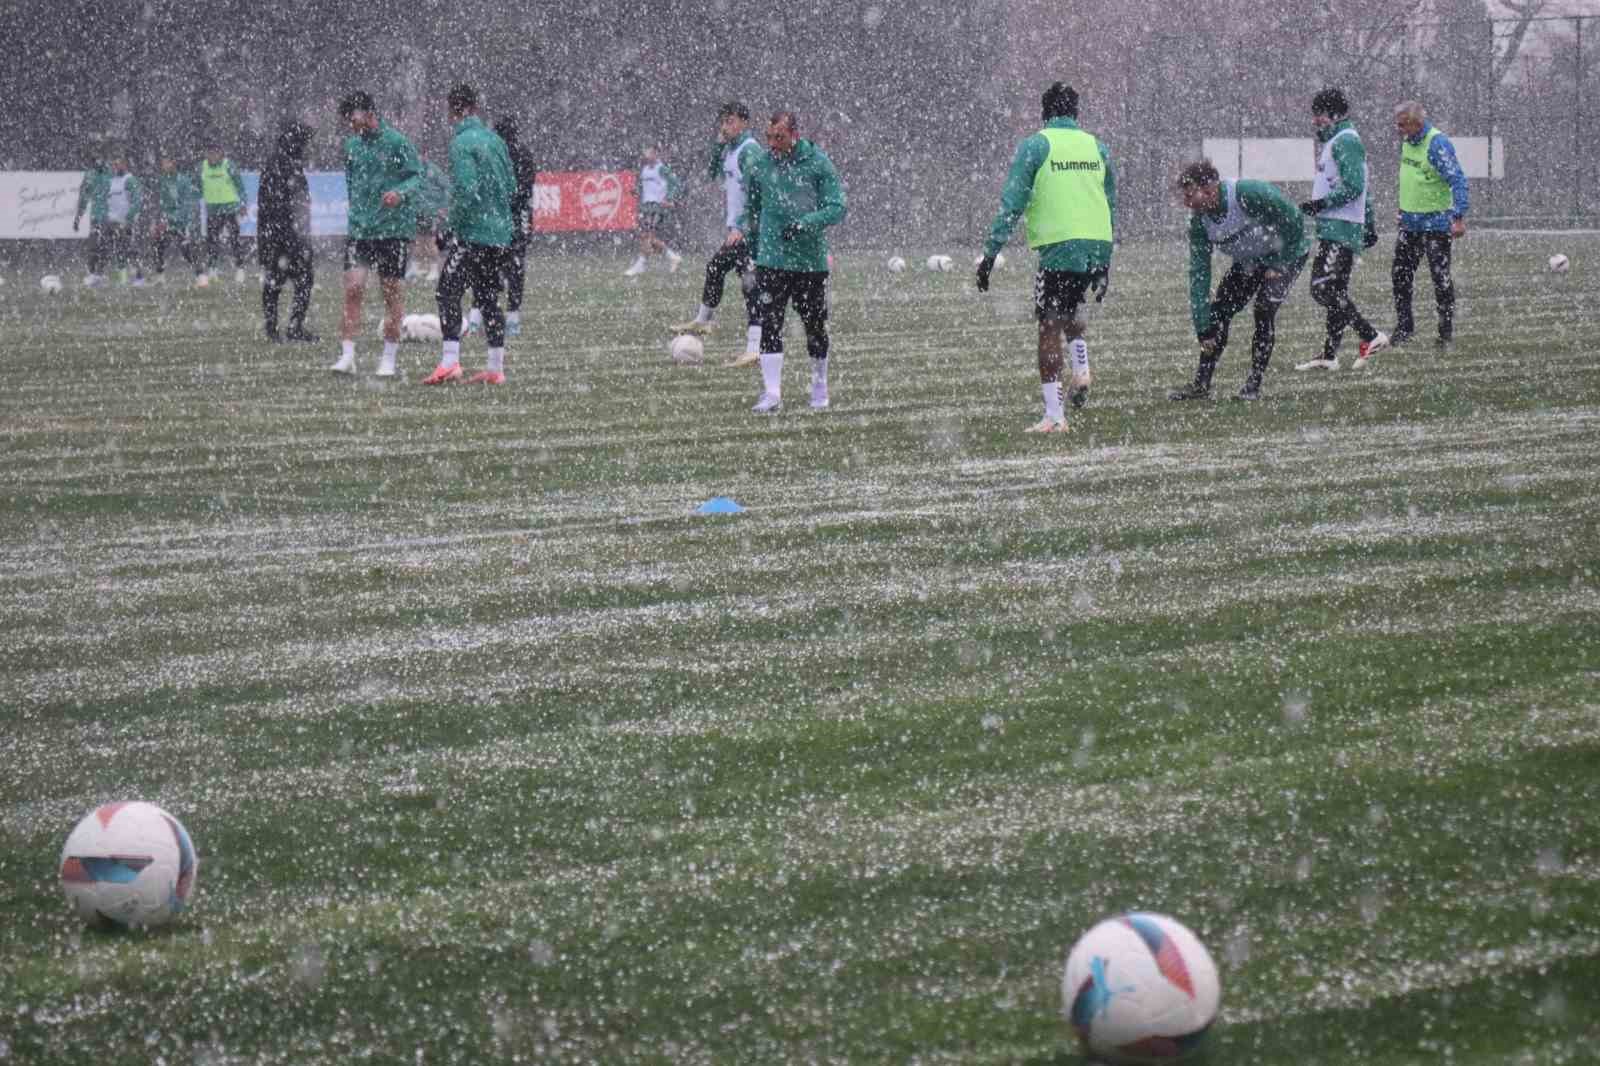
{"x": 465, "y": 185}
{"x": 135, "y": 199}
{"x": 1442, "y": 154}
{"x": 238, "y": 183}
{"x": 830, "y": 200}
{"x": 1350, "y": 156}
{"x": 1199, "y": 276}
{"x": 1014, "y": 195}
{"x": 749, "y": 223}
{"x": 407, "y": 168}
{"x": 674, "y": 184}
{"x": 1111, "y": 187}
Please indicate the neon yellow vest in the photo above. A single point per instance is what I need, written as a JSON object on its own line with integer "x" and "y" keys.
{"x": 1069, "y": 192}
{"x": 215, "y": 184}
{"x": 1422, "y": 189}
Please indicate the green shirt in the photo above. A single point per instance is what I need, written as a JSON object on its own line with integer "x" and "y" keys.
{"x": 375, "y": 163}
{"x": 180, "y": 199}
{"x": 1273, "y": 235}
{"x": 800, "y": 188}
{"x": 482, "y": 182}
{"x": 1350, "y": 157}
{"x": 92, "y": 194}
{"x": 1077, "y": 256}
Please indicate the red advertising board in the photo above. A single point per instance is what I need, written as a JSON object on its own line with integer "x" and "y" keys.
{"x": 576, "y": 200}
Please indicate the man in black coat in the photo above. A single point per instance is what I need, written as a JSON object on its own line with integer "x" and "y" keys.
{"x": 283, "y": 227}
{"x": 523, "y": 168}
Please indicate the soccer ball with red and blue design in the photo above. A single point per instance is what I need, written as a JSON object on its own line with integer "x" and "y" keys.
{"x": 129, "y": 864}
{"x": 1140, "y": 988}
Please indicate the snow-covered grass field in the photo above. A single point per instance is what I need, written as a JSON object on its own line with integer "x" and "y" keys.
{"x": 493, "y": 751}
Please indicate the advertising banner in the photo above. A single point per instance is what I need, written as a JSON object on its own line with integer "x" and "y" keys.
{"x": 39, "y": 203}
{"x": 576, "y": 200}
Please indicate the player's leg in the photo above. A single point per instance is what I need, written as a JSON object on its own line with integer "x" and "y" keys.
{"x": 1275, "y": 286}
{"x": 775, "y": 295}
{"x": 355, "y": 290}
{"x": 1438, "y": 247}
{"x": 392, "y": 257}
{"x": 1402, "y": 278}
{"x": 97, "y": 250}
{"x": 811, "y": 303}
{"x": 1057, "y": 295}
{"x": 1330, "y": 274}
{"x": 236, "y": 242}
{"x": 272, "y": 279}
{"x": 516, "y": 278}
{"x": 448, "y": 294}
{"x": 647, "y": 221}
{"x": 303, "y": 274}
{"x": 487, "y": 265}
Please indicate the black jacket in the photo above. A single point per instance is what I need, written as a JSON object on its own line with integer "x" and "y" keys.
{"x": 283, "y": 206}
{"x": 523, "y": 169}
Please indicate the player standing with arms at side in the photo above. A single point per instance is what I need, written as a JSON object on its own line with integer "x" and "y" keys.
{"x": 659, "y": 188}
{"x": 1433, "y": 210}
{"x": 92, "y": 197}
{"x": 1343, "y": 210}
{"x": 732, "y": 156}
{"x": 222, "y": 191}
{"x": 793, "y": 196}
{"x": 477, "y": 241}
{"x": 124, "y": 198}
{"x": 1061, "y": 180}
{"x": 1263, "y": 232}
{"x": 283, "y": 232}
{"x": 383, "y": 183}
{"x": 525, "y": 171}
{"x": 180, "y": 213}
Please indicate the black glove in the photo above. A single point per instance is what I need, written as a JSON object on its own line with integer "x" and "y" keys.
{"x": 985, "y": 265}
{"x": 1208, "y": 339}
{"x": 1102, "y": 282}
{"x": 1313, "y": 207}
{"x": 792, "y": 230}
{"x": 1370, "y": 237}
{"x": 443, "y": 240}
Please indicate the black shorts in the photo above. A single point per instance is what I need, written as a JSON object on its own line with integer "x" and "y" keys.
{"x": 390, "y": 255}
{"x": 653, "y": 218}
{"x": 1057, "y": 294}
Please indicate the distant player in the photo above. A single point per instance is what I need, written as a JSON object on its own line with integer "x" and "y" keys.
{"x": 732, "y": 157}
{"x": 222, "y": 192}
{"x": 477, "y": 241}
{"x": 659, "y": 189}
{"x": 793, "y": 195}
{"x": 1342, "y": 205}
{"x": 525, "y": 171}
{"x": 283, "y": 232}
{"x": 1263, "y": 232}
{"x": 1061, "y": 181}
{"x": 120, "y": 228}
{"x": 180, "y": 215}
{"x": 1433, "y": 213}
{"x": 383, "y": 182}
{"x": 92, "y": 198}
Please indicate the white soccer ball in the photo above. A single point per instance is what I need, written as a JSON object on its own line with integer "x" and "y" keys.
{"x": 895, "y": 264}
{"x": 421, "y": 328}
{"x": 1559, "y": 264}
{"x": 687, "y": 350}
{"x": 1140, "y": 988}
{"x": 940, "y": 263}
{"x": 50, "y": 283}
{"x": 129, "y": 864}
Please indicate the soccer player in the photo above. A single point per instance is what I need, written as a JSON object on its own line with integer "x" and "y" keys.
{"x": 658, "y": 192}
{"x": 283, "y": 229}
{"x": 123, "y": 199}
{"x": 732, "y": 156}
{"x": 525, "y": 171}
{"x": 1061, "y": 180}
{"x": 92, "y": 198}
{"x": 477, "y": 241}
{"x": 1433, "y": 208}
{"x": 222, "y": 190}
{"x": 180, "y": 213}
{"x": 793, "y": 194}
{"x": 1343, "y": 209}
{"x": 383, "y": 182}
{"x": 1263, "y": 232}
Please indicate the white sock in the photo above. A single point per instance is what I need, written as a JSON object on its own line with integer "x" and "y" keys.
{"x": 819, "y": 371}
{"x": 705, "y": 314}
{"x": 752, "y": 339}
{"x": 513, "y": 318}
{"x": 348, "y": 348}
{"x": 475, "y": 317}
{"x": 451, "y": 355}
{"x": 497, "y": 360}
{"x": 1052, "y": 399}
{"x": 639, "y": 262}
{"x": 391, "y": 349}
{"x": 772, "y": 373}
{"x": 1080, "y": 357}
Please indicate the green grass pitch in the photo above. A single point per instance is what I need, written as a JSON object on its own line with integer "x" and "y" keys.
{"x": 494, "y": 752}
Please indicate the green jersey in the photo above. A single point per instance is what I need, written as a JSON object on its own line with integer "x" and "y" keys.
{"x": 180, "y": 199}
{"x": 375, "y": 163}
{"x": 1253, "y": 222}
{"x": 1077, "y": 256}
{"x": 482, "y": 182}
{"x": 800, "y": 189}
{"x": 92, "y": 195}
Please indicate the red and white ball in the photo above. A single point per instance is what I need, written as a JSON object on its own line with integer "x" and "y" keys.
{"x": 129, "y": 864}
{"x": 1140, "y": 988}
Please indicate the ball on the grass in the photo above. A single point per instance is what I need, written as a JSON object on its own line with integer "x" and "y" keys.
{"x": 940, "y": 263}
{"x": 1559, "y": 264}
{"x": 1140, "y": 988}
{"x": 50, "y": 283}
{"x": 687, "y": 350}
{"x": 129, "y": 864}
{"x": 895, "y": 264}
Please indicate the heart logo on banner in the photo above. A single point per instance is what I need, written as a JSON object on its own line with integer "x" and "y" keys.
{"x": 600, "y": 197}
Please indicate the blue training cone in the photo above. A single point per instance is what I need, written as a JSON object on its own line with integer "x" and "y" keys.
{"x": 719, "y": 505}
